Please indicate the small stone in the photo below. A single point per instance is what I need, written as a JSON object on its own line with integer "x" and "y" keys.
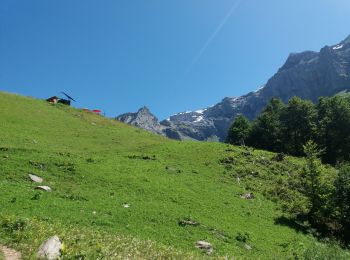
{"x": 188, "y": 222}
{"x": 247, "y": 196}
{"x": 50, "y": 249}
{"x": 35, "y": 178}
{"x": 10, "y": 253}
{"x": 172, "y": 169}
{"x": 203, "y": 245}
{"x": 248, "y": 247}
{"x": 44, "y": 188}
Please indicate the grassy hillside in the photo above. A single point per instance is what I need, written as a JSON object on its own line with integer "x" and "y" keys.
{"x": 96, "y": 166}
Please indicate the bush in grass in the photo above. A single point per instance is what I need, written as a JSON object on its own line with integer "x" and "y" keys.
{"x": 243, "y": 237}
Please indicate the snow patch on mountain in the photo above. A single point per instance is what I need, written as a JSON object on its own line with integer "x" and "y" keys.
{"x": 338, "y": 47}
{"x": 183, "y": 113}
{"x": 256, "y": 91}
{"x": 201, "y": 111}
{"x": 198, "y": 119}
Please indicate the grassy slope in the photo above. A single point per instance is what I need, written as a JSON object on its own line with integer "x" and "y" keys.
{"x": 94, "y": 165}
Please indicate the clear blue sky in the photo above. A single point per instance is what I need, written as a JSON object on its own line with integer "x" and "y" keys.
{"x": 171, "y": 55}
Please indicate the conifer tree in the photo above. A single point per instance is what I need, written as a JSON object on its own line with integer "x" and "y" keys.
{"x": 239, "y": 131}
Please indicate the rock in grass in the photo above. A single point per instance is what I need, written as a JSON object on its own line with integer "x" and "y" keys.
{"x": 248, "y": 247}
{"x": 188, "y": 222}
{"x": 35, "y": 178}
{"x": 206, "y": 246}
{"x": 44, "y": 188}
{"x": 50, "y": 249}
{"x": 172, "y": 169}
{"x": 247, "y": 196}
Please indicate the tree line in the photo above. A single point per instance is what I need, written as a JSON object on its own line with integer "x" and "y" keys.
{"x": 288, "y": 127}
{"x": 317, "y": 193}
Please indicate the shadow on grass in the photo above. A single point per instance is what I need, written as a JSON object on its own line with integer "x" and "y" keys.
{"x": 321, "y": 232}
{"x": 292, "y": 223}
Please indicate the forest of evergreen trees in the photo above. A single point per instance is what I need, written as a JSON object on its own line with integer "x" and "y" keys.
{"x": 318, "y": 193}
{"x": 288, "y": 127}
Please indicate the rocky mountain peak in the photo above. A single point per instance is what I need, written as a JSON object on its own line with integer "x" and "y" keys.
{"x": 295, "y": 59}
{"x": 143, "y": 118}
{"x": 308, "y": 75}
{"x": 144, "y": 110}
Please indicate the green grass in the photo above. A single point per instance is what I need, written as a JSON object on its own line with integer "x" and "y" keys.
{"x": 95, "y": 165}
{"x": 79, "y": 242}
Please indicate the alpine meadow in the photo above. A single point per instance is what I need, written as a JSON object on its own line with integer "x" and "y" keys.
{"x": 122, "y": 192}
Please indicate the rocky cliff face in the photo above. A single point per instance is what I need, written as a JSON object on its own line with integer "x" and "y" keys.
{"x": 143, "y": 118}
{"x": 308, "y": 75}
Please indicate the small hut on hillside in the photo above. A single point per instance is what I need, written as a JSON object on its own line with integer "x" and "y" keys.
{"x": 53, "y": 100}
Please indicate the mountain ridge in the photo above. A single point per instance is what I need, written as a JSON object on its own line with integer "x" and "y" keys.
{"x": 308, "y": 75}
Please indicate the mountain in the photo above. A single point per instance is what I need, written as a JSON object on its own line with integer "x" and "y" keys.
{"x": 308, "y": 75}
{"x": 143, "y": 118}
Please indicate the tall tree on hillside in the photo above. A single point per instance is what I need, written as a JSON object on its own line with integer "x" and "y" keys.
{"x": 238, "y": 131}
{"x": 298, "y": 124}
{"x": 316, "y": 184}
{"x": 334, "y": 128}
{"x": 266, "y": 129}
{"x": 342, "y": 200}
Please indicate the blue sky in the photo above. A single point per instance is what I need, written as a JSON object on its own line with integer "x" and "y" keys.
{"x": 171, "y": 55}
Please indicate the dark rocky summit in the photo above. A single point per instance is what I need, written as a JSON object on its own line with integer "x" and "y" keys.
{"x": 143, "y": 118}
{"x": 308, "y": 75}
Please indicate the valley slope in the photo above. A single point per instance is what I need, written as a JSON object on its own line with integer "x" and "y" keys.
{"x": 122, "y": 192}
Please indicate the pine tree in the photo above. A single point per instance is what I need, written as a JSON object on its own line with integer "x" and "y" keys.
{"x": 317, "y": 185}
{"x": 239, "y": 131}
{"x": 266, "y": 129}
{"x": 342, "y": 200}
{"x": 334, "y": 128}
{"x": 298, "y": 125}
